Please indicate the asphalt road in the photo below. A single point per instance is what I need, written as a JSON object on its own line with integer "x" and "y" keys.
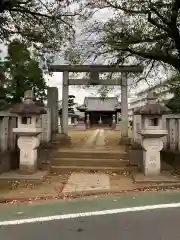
{"x": 160, "y": 224}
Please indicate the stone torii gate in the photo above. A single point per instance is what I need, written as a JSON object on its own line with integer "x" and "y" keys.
{"x": 94, "y": 71}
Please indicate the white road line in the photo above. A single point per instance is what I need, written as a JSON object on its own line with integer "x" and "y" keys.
{"x": 88, "y": 214}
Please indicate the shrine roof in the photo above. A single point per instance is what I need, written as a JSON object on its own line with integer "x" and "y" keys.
{"x": 96, "y": 104}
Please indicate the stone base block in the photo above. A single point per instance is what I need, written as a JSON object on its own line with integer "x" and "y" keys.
{"x": 14, "y": 175}
{"x": 124, "y": 128}
{"x": 27, "y": 169}
{"x": 136, "y": 157}
{"x": 164, "y": 177}
{"x": 152, "y": 163}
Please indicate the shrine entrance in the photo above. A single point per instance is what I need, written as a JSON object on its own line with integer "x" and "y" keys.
{"x": 100, "y": 119}
{"x": 94, "y": 79}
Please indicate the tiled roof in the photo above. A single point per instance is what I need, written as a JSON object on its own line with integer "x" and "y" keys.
{"x": 96, "y": 104}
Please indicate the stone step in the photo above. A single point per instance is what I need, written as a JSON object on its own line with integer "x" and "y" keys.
{"x": 66, "y": 169}
{"x": 93, "y": 154}
{"x": 89, "y": 162}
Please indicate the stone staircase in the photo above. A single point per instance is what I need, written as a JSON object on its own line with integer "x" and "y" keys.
{"x": 90, "y": 160}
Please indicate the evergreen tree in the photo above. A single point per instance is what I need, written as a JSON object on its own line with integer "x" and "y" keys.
{"x": 45, "y": 25}
{"x": 22, "y": 72}
{"x": 71, "y": 103}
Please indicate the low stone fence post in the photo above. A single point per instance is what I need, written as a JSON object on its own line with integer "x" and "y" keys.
{"x": 8, "y": 158}
{"x": 137, "y": 124}
{"x": 4, "y": 133}
{"x": 46, "y": 127}
{"x": 12, "y": 136}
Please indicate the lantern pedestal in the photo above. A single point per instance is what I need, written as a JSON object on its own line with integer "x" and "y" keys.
{"x": 28, "y": 142}
{"x": 152, "y": 144}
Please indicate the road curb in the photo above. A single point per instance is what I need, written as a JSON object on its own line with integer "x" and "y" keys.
{"x": 71, "y": 195}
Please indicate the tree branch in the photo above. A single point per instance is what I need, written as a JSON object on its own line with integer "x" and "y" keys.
{"x": 146, "y": 12}
{"x": 166, "y": 59}
{"x": 154, "y": 9}
{"x": 156, "y": 24}
{"x": 145, "y": 40}
{"x": 25, "y": 10}
{"x": 116, "y": 6}
{"x": 37, "y": 14}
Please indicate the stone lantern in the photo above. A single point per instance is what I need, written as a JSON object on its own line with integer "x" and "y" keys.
{"x": 28, "y": 130}
{"x": 152, "y": 131}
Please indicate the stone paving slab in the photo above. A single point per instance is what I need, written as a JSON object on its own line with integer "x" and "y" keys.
{"x": 100, "y": 142}
{"x": 87, "y": 182}
{"x": 89, "y": 143}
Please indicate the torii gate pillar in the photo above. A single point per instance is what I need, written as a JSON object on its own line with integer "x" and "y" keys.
{"x": 124, "y": 106}
{"x": 65, "y": 93}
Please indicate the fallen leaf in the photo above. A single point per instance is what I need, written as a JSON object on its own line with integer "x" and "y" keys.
{"x": 19, "y": 213}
